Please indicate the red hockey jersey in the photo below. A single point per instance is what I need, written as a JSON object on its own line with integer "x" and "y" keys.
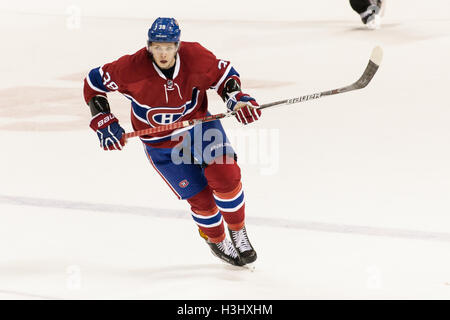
{"x": 156, "y": 100}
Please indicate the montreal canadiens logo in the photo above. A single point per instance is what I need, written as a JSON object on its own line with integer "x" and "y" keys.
{"x": 161, "y": 116}
{"x": 184, "y": 183}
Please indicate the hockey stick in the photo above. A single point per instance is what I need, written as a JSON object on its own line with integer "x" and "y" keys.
{"x": 363, "y": 81}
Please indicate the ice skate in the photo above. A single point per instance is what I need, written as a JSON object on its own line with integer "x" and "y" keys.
{"x": 243, "y": 246}
{"x": 372, "y": 16}
{"x": 373, "y": 21}
{"x": 224, "y": 250}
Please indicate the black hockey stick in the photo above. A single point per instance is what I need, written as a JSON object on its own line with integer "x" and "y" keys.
{"x": 363, "y": 81}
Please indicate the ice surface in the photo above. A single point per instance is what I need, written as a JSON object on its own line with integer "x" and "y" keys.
{"x": 353, "y": 201}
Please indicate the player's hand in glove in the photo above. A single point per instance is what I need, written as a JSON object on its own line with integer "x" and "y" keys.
{"x": 108, "y": 131}
{"x": 246, "y": 107}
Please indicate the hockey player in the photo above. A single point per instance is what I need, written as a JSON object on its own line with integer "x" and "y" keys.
{"x": 370, "y": 11}
{"x": 166, "y": 82}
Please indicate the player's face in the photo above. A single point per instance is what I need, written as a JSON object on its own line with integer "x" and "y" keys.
{"x": 164, "y": 53}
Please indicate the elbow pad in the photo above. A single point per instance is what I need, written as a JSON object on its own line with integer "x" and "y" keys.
{"x": 230, "y": 87}
{"x": 99, "y": 104}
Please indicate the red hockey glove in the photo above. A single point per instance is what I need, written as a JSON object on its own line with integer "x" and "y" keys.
{"x": 109, "y": 132}
{"x": 245, "y": 106}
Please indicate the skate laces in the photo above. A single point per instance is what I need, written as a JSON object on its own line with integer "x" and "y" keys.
{"x": 240, "y": 240}
{"x": 227, "y": 248}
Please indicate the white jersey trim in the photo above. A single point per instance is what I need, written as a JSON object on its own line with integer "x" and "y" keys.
{"x": 177, "y": 67}
{"x": 175, "y": 72}
{"x": 217, "y": 86}
{"x": 141, "y": 105}
{"x": 154, "y": 166}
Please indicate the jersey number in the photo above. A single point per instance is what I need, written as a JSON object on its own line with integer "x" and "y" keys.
{"x": 222, "y": 64}
{"x": 112, "y": 85}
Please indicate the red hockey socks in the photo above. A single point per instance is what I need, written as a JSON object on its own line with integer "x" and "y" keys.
{"x": 224, "y": 177}
{"x": 207, "y": 216}
{"x": 223, "y": 197}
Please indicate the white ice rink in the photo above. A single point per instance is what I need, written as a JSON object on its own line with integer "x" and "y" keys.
{"x": 351, "y": 203}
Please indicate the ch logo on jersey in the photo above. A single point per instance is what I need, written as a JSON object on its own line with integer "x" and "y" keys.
{"x": 183, "y": 184}
{"x": 161, "y": 116}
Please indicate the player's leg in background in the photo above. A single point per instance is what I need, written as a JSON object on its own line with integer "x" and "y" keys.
{"x": 360, "y": 6}
{"x": 369, "y": 11}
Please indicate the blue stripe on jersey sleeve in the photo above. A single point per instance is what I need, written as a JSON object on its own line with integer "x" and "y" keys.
{"x": 96, "y": 79}
{"x": 232, "y": 72}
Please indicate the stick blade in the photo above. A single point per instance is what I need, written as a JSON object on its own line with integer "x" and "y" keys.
{"x": 377, "y": 55}
{"x": 371, "y": 69}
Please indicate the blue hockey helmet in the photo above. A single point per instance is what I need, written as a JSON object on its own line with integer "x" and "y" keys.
{"x": 164, "y": 30}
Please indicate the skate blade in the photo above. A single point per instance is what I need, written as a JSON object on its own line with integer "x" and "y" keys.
{"x": 250, "y": 266}
{"x": 375, "y": 23}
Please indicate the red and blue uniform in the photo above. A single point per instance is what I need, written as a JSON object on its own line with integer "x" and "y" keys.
{"x": 212, "y": 187}
{"x": 156, "y": 100}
